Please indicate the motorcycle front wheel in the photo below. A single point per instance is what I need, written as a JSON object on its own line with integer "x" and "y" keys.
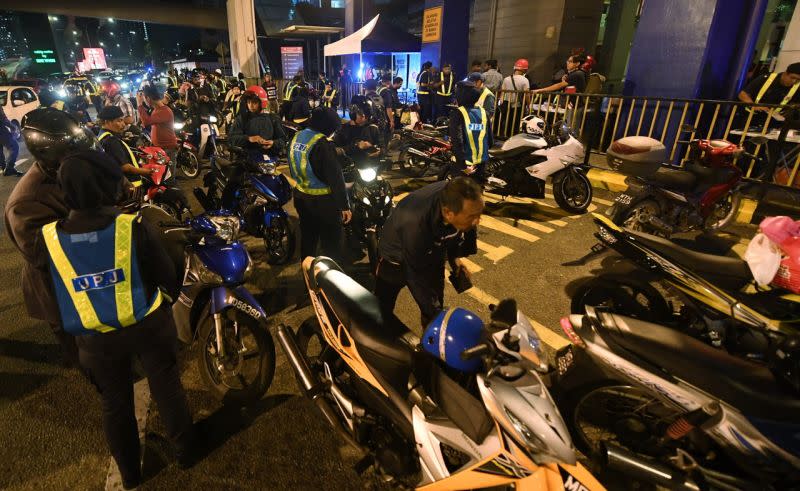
{"x": 620, "y": 295}
{"x": 279, "y": 240}
{"x": 724, "y": 212}
{"x": 572, "y": 191}
{"x": 245, "y": 373}
{"x": 188, "y": 163}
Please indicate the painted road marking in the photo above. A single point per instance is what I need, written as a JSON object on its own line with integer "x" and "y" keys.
{"x": 496, "y": 198}
{"x": 500, "y": 226}
{"x": 398, "y": 197}
{"x": 471, "y": 266}
{"x": 141, "y": 405}
{"x": 494, "y": 253}
{"x": 534, "y": 225}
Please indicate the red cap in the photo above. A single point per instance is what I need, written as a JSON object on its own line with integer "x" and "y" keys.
{"x": 521, "y": 64}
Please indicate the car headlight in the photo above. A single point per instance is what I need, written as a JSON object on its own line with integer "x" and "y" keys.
{"x": 267, "y": 167}
{"x": 178, "y": 126}
{"x": 212, "y": 119}
{"x": 524, "y": 434}
{"x": 368, "y": 175}
{"x": 227, "y": 227}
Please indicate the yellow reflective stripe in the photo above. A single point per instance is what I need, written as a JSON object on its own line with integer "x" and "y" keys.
{"x": 790, "y": 94}
{"x": 80, "y": 300}
{"x": 123, "y": 243}
{"x": 156, "y": 303}
{"x": 765, "y": 87}
{"x": 483, "y": 97}
{"x": 476, "y": 147}
{"x": 301, "y": 170}
{"x": 449, "y": 87}
{"x": 134, "y": 162}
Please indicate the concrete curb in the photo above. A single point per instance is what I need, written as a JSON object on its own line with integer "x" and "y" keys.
{"x": 615, "y": 182}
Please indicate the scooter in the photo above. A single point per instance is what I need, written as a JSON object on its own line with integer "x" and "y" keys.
{"x": 521, "y": 166}
{"x": 423, "y": 424}
{"x": 216, "y": 312}
{"x": 704, "y": 194}
{"x": 670, "y": 410}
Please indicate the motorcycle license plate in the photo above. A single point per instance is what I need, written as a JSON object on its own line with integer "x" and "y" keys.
{"x": 624, "y": 199}
{"x": 565, "y": 358}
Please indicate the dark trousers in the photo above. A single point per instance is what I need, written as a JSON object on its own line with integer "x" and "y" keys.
{"x": 425, "y": 107}
{"x": 107, "y": 358}
{"x": 8, "y": 141}
{"x": 320, "y": 225}
{"x": 390, "y": 279}
{"x": 440, "y": 108}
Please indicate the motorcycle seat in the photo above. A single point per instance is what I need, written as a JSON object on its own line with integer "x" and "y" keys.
{"x": 674, "y": 179}
{"x": 748, "y": 386}
{"x": 499, "y": 153}
{"x": 358, "y": 310}
{"x": 728, "y": 273}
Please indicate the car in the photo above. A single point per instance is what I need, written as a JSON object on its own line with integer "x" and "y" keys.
{"x": 37, "y": 84}
{"x": 17, "y": 101}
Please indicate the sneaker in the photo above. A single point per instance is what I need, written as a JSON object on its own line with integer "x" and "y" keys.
{"x": 14, "y": 173}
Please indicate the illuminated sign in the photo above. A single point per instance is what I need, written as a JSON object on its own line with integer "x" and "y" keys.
{"x": 44, "y": 56}
{"x": 291, "y": 60}
{"x": 432, "y": 25}
{"x": 95, "y": 58}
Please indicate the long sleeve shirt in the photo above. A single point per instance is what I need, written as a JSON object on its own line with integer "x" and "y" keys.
{"x": 325, "y": 165}
{"x": 162, "y": 120}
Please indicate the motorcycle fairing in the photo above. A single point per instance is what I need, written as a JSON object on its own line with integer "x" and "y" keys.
{"x": 238, "y": 297}
{"x": 270, "y": 215}
{"x": 557, "y": 158}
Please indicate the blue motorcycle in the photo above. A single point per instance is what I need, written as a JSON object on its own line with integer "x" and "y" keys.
{"x": 235, "y": 351}
{"x": 255, "y": 191}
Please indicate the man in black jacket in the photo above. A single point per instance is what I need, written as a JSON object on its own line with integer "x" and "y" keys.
{"x": 428, "y": 227}
{"x": 359, "y": 139}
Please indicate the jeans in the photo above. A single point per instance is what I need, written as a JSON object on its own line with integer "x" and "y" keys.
{"x": 7, "y": 164}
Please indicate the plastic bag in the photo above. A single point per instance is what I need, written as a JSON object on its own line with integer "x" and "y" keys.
{"x": 788, "y": 275}
{"x": 764, "y": 258}
{"x": 780, "y": 229}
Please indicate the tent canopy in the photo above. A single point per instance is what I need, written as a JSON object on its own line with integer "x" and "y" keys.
{"x": 375, "y": 37}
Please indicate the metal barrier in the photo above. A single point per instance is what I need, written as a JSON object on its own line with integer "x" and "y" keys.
{"x": 600, "y": 119}
{"x": 345, "y": 92}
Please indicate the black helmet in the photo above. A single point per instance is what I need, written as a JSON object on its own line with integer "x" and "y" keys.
{"x": 51, "y": 135}
{"x": 355, "y": 110}
{"x": 325, "y": 120}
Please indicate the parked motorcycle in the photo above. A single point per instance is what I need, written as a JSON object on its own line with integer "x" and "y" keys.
{"x": 521, "y": 166}
{"x": 704, "y": 194}
{"x": 259, "y": 202}
{"x": 423, "y": 149}
{"x": 424, "y": 423}
{"x": 703, "y": 295}
{"x": 670, "y": 410}
{"x": 186, "y": 159}
{"x": 235, "y": 351}
{"x": 153, "y": 192}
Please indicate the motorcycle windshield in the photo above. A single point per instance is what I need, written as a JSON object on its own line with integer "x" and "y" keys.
{"x": 266, "y": 186}
{"x": 229, "y": 261}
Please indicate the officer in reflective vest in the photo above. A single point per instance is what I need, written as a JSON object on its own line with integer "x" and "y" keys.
{"x": 320, "y": 196}
{"x": 424, "y": 96}
{"x": 470, "y": 134}
{"x": 115, "y": 304}
{"x": 289, "y": 94}
{"x": 444, "y": 91}
{"x": 486, "y": 100}
{"x": 330, "y": 97}
{"x": 774, "y": 88}
{"x": 113, "y": 123}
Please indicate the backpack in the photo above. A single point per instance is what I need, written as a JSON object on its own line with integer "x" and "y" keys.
{"x": 374, "y": 110}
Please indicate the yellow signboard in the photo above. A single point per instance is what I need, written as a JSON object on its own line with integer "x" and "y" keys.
{"x": 432, "y": 25}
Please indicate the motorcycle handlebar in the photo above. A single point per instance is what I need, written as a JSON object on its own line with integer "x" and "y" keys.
{"x": 478, "y": 350}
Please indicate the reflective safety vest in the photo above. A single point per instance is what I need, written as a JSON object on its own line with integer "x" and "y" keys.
{"x": 482, "y": 99}
{"x": 300, "y": 167}
{"x": 327, "y": 99}
{"x": 381, "y": 89}
{"x": 96, "y": 278}
{"x": 135, "y": 179}
{"x": 768, "y": 83}
{"x": 422, "y": 90}
{"x": 287, "y": 93}
{"x": 476, "y": 143}
{"x": 173, "y": 81}
{"x": 58, "y": 105}
{"x": 449, "y": 91}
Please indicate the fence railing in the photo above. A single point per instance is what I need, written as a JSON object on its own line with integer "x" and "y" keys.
{"x": 600, "y": 119}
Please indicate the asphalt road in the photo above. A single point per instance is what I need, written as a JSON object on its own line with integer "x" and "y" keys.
{"x": 50, "y": 425}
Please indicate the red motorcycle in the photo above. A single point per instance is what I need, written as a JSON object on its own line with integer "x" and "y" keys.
{"x": 662, "y": 200}
{"x": 423, "y": 147}
{"x": 153, "y": 192}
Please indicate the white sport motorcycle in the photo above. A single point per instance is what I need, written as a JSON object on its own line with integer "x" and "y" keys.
{"x": 521, "y": 166}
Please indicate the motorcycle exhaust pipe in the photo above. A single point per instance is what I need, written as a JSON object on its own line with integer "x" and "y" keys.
{"x": 621, "y": 460}
{"x": 310, "y": 384}
{"x": 419, "y": 153}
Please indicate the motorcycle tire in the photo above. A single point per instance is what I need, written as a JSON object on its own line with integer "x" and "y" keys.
{"x": 635, "y": 217}
{"x": 279, "y": 240}
{"x": 219, "y": 384}
{"x": 572, "y": 191}
{"x": 730, "y": 204}
{"x": 413, "y": 165}
{"x": 621, "y": 295}
{"x": 168, "y": 208}
{"x": 188, "y": 164}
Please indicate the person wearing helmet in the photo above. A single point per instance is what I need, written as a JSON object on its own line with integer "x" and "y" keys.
{"x": 77, "y": 103}
{"x": 575, "y": 77}
{"x": 112, "y": 278}
{"x": 114, "y": 97}
{"x": 201, "y": 96}
{"x": 253, "y": 129}
{"x": 513, "y": 98}
{"x": 359, "y": 139}
{"x": 320, "y": 196}
{"x": 37, "y": 200}
{"x": 232, "y": 99}
{"x": 424, "y": 92}
{"x": 272, "y": 93}
{"x": 430, "y": 226}
{"x": 470, "y": 134}
{"x": 219, "y": 82}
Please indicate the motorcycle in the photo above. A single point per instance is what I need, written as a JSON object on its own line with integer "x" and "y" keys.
{"x": 521, "y": 166}
{"x": 421, "y": 148}
{"x": 424, "y": 424}
{"x": 704, "y": 194}
{"x": 235, "y": 351}
{"x": 672, "y": 411}
{"x": 186, "y": 159}
{"x": 259, "y": 202}
{"x": 371, "y": 199}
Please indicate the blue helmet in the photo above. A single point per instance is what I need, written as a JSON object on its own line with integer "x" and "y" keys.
{"x": 450, "y": 333}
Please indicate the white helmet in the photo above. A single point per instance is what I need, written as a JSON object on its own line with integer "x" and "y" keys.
{"x": 532, "y": 125}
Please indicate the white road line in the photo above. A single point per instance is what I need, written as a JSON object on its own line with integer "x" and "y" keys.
{"x": 471, "y": 266}
{"x": 141, "y": 401}
{"x": 500, "y": 226}
{"x": 495, "y": 198}
{"x": 535, "y": 225}
{"x": 494, "y": 253}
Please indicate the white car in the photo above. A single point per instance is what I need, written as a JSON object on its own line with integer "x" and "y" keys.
{"x": 17, "y": 101}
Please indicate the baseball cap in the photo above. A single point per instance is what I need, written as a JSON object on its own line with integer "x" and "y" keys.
{"x": 475, "y": 76}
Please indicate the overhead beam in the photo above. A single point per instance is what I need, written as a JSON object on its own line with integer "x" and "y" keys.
{"x": 147, "y": 11}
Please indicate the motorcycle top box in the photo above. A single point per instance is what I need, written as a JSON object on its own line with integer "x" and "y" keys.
{"x": 637, "y": 156}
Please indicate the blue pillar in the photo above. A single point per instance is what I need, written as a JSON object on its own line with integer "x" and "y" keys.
{"x": 454, "y": 42}
{"x": 692, "y": 49}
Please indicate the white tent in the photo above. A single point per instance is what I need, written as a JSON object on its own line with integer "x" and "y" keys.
{"x": 351, "y": 44}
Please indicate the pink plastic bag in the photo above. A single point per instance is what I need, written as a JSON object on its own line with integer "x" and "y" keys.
{"x": 780, "y": 229}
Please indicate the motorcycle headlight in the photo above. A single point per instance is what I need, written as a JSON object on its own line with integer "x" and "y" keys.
{"x": 524, "y": 434}
{"x": 161, "y": 158}
{"x": 178, "y": 126}
{"x": 227, "y": 227}
{"x": 365, "y": 200}
{"x": 368, "y": 175}
{"x": 207, "y": 276}
{"x": 387, "y": 200}
{"x": 212, "y": 119}
{"x": 267, "y": 167}
{"x": 62, "y": 93}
